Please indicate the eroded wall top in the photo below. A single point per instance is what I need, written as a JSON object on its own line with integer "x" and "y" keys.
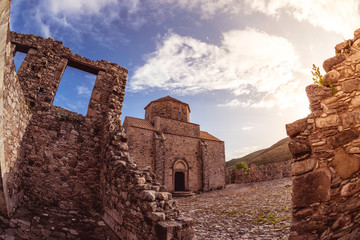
{"x": 325, "y": 148}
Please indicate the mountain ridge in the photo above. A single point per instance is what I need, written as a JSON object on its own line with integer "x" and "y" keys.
{"x": 278, "y": 152}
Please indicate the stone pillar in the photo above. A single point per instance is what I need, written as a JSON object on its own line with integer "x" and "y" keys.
{"x": 160, "y": 157}
{"x": 4, "y": 51}
{"x": 205, "y": 165}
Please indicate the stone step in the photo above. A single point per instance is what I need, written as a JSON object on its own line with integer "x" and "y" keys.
{"x": 182, "y": 194}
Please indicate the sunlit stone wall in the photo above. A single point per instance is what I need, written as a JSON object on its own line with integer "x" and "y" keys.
{"x": 326, "y": 152}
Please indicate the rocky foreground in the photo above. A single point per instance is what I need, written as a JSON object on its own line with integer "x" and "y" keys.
{"x": 242, "y": 211}
{"x": 54, "y": 224}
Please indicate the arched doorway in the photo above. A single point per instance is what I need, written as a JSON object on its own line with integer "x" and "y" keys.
{"x": 180, "y": 175}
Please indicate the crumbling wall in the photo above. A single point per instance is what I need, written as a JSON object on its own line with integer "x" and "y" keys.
{"x": 62, "y": 159}
{"x": 60, "y": 149}
{"x": 14, "y": 118}
{"x": 325, "y": 148}
{"x": 133, "y": 205}
{"x": 265, "y": 172}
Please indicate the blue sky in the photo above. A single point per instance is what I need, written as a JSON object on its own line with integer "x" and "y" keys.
{"x": 241, "y": 65}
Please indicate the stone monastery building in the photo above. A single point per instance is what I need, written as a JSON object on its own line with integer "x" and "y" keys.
{"x": 183, "y": 157}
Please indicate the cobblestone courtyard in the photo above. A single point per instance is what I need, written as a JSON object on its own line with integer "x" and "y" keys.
{"x": 242, "y": 211}
{"x": 248, "y": 211}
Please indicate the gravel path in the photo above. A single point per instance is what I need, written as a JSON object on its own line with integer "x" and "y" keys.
{"x": 241, "y": 211}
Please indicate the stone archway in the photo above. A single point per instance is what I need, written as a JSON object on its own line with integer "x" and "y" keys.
{"x": 180, "y": 175}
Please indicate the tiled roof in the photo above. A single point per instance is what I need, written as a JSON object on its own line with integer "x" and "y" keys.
{"x": 144, "y": 124}
{"x": 140, "y": 123}
{"x": 166, "y": 99}
{"x": 206, "y": 135}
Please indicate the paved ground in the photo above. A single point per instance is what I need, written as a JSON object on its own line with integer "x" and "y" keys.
{"x": 53, "y": 224}
{"x": 249, "y": 211}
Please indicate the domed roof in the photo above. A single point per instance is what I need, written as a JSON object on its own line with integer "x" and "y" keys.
{"x": 168, "y": 98}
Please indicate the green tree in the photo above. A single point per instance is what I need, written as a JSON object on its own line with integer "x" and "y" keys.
{"x": 242, "y": 165}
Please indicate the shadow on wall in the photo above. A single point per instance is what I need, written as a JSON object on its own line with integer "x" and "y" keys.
{"x": 325, "y": 147}
{"x": 55, "y": 157}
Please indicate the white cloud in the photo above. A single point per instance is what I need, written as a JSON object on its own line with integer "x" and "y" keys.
{"x": 83, "y": 90}
{"x": 84, "y": 16}
{"x": 78, "y": 7}
{"x": 206, "y": 8}
{"x": 71, "y": 104}
{"x": 340, "y": 16}
{"x": 234, "y": 103}
{"x": 45, "y": 29}
{"x": 246, "y": 128}
{"x": 248, "y": 63}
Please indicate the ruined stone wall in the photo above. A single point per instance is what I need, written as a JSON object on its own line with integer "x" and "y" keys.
{"x": 61, "y": 154}
{"x": 260, "y": 173}
{"x": 176, "y": 127}
{"x": 71, "y": 161}
{"x": 133, "y": 205}
{"x": 167, "y": 109}
{"x": 14, "y": 119}
{"x": 60, "y": 149}
{"x": 325, "y": 148}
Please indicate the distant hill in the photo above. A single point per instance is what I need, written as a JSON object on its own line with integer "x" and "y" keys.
{"x": 279, "y": 152}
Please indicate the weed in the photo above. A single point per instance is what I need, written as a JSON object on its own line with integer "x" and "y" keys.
{"x": 318, "y": 79}
{"x": 267, "y": 217}
{"x": 284, "y": 227}
{"x": 29, "y": 108}
{"x": 68, "y": 118}
{"x": 232, "y": 213}
{"x": 333, "y": 89}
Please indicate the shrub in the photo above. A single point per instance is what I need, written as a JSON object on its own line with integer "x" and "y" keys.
{"x": 318, "y": 79}
{"x": 242, "y": 165}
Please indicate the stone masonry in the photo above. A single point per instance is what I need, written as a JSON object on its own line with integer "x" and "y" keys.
{"x": 183, "y": 157}
{"x": 265, "y": 172}
{"x": 326, "y": 152}
{"x": 50, "y": 156}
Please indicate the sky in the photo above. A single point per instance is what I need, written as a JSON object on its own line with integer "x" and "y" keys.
{"x": 241, "y": 65}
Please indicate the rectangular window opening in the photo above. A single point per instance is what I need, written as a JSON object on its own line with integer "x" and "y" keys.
{"x": 20, "y": 54}
{"x": 18, "y": 59}
{"x": 75, "y": 89}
